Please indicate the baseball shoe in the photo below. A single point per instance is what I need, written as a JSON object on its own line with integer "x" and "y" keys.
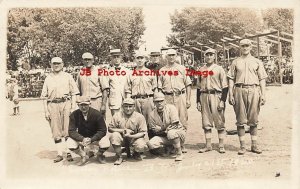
{"x": 183, "y": 150}
{"x": 83, "y": 160}
{"x": 154, "y": 152}
{"x": 127, "y": 151}
{"x": 101, "y": 159}
{"x": 256, "y": 150}
{"x": 58, "y": 159}
{"x": 242, "y": 151}
{"x": 90, "y": 154}
{"x": 118, "y": 161}
{"x": 179, "y": 157}
{"x": 206, "y": 149}
{"x": 137, "y": 156}
{"x": 247, "y": 130}
{"x": 221, "y": 150}
{"x": 123, "y": 149}
{"x": 69, "y": 157}
{"x": 168, "y": 151}
{"x": 231, "y": 132}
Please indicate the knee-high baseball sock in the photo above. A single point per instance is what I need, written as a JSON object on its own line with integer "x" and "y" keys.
{"x": 118, "y": 150}
{"x": 65, "y": 146}
{"x": 253, "y": 133}
{"x": 221, "y": 134}
{"x": 241, "y": 134}
{"x": 207, "y": 133}
{"x": 59, "y": 147}
{"x": 101, "y": 151}
{"x": 80, "y": 151}
{"x": 177, "y": 146}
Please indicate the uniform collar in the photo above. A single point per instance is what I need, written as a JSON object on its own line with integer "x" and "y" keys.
{"x": 211, "y": 67}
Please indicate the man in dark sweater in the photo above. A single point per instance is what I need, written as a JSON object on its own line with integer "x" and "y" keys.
{"x": 87, "y": 132}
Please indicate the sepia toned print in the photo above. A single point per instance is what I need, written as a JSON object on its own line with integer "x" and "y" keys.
{"x": 226, "y": 115}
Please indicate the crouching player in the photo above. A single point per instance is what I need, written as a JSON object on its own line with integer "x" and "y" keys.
{"x": 166, "y": 126}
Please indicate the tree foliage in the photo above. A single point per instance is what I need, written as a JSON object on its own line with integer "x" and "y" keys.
{"x": 283, "y": 21}
{"x": 40, "y": 34}
{"x": 279, "y": 19}
{"x": 192, "y": 25}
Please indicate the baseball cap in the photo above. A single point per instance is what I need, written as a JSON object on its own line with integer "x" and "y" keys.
{"x": 87, "y": 55}
{"x": 171, "y": 51}
{"x": 158, "y": 96}
{"x": 139, "y": 54}
{"x": 155, "y": 53}
{"x": 129, "y": 101}
{"x": 115, "y": 52}
{"x": 213, "y": 51}
{"x": 83, "y": 100}
{"x": 56, "y": 59}
{"x": 245, "y": 42}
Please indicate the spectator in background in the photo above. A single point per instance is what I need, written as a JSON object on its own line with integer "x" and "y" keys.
{"x": 13, "y": 94}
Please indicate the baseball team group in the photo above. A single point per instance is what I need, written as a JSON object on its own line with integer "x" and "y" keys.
{"x": 149, "y": 113}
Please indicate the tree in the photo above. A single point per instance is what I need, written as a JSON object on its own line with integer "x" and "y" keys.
{"x": 193, "y": 25}
{"x": 283, "y": 21}
{"x": 279, "y": 19}
{"x": 70, "y": 32}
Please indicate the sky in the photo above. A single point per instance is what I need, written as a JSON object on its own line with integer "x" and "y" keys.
{"x": 158, "y": 27}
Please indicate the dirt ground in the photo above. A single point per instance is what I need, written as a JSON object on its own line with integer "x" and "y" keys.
{"x": 30, "y": 150}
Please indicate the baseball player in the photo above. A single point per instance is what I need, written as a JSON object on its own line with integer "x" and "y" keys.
{"x": 87, "y": 132}
{"x": 93, "y": 85}
{"x": 116, "y": 82}
{"x": 128, "y": 128}
{"x": 141, "y": 87}
{"x": 176, "y": 87}
{"x": 13, "y": 94}
{"x": 166, "y": 126}
{"x": 211, "y": 97}
{"x": 59, "y": 92}
{"x": 247, "y": 93}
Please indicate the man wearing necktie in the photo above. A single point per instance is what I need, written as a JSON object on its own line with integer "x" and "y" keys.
{"x": 116, "y": 82}
{"x": 155, "y": 62}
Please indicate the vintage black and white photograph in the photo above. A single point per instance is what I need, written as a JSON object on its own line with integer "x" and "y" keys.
{"x": 127, "y": 93}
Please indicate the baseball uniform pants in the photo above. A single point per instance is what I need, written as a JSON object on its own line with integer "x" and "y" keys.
{"x": 139, "y": 145}
{"x": 160, "y": 141}
{"x": 144, "y": 106}
{"x": 59, "y": 118}
{"x": 211, "y": 116}
{"x": 180, "y": 103}
{"x": 96, "y": 103}
{"x": 247, "y": 105}
{"x": 94, "y": 146}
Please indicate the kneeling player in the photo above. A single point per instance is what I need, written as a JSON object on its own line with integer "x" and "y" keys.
{"x": 87, "y": 132}
{"x": 164, "y": 123}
